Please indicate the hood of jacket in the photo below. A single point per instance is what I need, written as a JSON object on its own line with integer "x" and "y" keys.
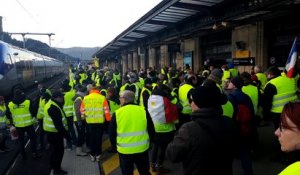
{"x": 19, "y": 99}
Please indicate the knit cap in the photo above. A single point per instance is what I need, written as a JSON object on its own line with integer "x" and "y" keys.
{"x": 216, "y": 75}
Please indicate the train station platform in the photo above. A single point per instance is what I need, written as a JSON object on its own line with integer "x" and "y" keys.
{"x": 109, "y": 164}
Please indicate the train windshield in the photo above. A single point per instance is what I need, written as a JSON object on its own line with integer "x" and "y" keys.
{"x": 5, "y": 62}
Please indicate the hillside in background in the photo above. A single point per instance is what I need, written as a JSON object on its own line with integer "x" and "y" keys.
{"x": 38, "y": 47}
{"x": 84, "y": 53}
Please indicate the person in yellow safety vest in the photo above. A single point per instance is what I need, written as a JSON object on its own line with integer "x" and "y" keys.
{"x": 288, "y": 135}
{"x": 226, "y": 75}
{"x": 133, "y": 86}
{"x": 262, "y": 78}
{"x": 56, "y": 128}
{"x": 4, "y": 122}
{"x": 114, "y": 104}
{"x": 234, "y": 72}
{"x": 21, "y": 110}
{"x": 68, "y": 109}
{"x": 214, "y": 79}
{"x": 95, "y": 109}
{"x": 251, "y": 90}
{"x": 125, "y": 84}
{"x": 117, "y": 77}
{"x": 163, "y": 114}
{"x": 83, "y": 76}
{"x": 162, "y": 79}
{"x": 278, "y": 91}
{"x": 99, "y": 78}
{"x": 44, "y": 98}
{"x": 208, "y": 134}
{"x": 183, "y": 94}
{"x": 131, "y": 130}
{"x": 145, "y": 93}
{"x": 79, "y": 122}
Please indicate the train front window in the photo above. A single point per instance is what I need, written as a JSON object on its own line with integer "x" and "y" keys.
{"x": 6, "y": 64}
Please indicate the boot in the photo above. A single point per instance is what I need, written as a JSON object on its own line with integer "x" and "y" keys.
{"x": 79, "y": 152}
{"x": 153, "y": 167}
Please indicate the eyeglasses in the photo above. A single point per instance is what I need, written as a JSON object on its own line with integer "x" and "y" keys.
{"x": 283, "y": 127}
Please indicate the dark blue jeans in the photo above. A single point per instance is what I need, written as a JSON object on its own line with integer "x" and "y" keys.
{"x": 141, "y": 160}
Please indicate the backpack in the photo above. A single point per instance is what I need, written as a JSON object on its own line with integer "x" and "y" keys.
{"x": 244, "y": 118}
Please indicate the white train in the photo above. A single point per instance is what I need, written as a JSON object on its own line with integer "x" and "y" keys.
{"x": 20, "y": 68}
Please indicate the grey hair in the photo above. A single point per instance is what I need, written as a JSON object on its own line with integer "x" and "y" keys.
{"x": 128, "y": 96}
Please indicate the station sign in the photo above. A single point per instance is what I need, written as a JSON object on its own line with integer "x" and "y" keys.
{"x": 250, "y": 61}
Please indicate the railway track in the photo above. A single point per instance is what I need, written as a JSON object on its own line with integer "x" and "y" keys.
{"x": 10, "y": 161}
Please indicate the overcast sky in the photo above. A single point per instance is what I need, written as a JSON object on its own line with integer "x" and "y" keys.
{"x": 84, "y": 23}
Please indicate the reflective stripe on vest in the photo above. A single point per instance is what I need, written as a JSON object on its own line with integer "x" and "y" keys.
{"x": 48, "y": 122}
{"x": 68, "y": 105}
{"x": 93, "y": 106}
{"x": 156, "y": 109}
{"x": 141, "y": 96}
{"x": 183, "y": 92}
{"x": 20, "y": 114}
{"x": 132, "y": 135}
{"x": 286, "y": 92}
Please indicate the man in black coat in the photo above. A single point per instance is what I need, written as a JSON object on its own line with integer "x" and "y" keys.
{"x": 206, "y": 144}
{"x": 54, "y": 112}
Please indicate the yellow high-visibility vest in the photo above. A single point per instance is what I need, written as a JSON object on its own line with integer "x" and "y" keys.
{"x": 40, "y": 114}
{"x": 293, "y": 169}
{"x": 3, "y": 119}
{"x": 93, "y": 108}
{"x": 68, "y": 105}
{"x": 20, "y": 114}
{"x": 286, "y": 92}
{"x": 132, "y": 134}
{"x": 141, "y": 96}
{"x": 183, "y": 99}
{"x": 252, "y": 92}
{"x": 48, "y": 124}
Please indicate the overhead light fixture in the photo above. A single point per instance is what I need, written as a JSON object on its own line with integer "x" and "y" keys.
{"x": 214, "y": 27}
{"x": 223, "y": 23}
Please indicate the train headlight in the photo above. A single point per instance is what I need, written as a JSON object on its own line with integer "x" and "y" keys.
{"x": 1, "y": 76}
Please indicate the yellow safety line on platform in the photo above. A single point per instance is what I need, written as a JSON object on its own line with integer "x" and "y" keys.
{"x": 111, "y": 164}
{"x": 136, "y": 172}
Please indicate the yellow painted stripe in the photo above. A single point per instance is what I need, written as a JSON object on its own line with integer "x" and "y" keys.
{"x": 105, "y": 144}
{"x": 136, "y": 172}
{"x": 111, "y": 164}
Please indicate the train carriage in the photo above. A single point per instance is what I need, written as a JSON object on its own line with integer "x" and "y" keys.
{"x": 20, "y": 68}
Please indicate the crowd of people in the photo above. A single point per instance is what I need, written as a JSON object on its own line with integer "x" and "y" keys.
{"x": 203, "y": 119}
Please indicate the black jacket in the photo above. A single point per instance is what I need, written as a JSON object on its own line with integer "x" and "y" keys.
{"x": 206, "y": 144}
{"x": 56, "y": 117}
